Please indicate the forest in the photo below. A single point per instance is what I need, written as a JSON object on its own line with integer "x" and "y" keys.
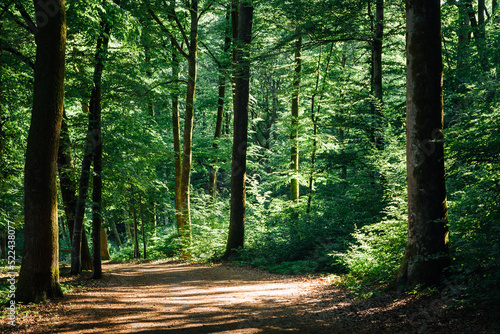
{"x": 353, "y": 140}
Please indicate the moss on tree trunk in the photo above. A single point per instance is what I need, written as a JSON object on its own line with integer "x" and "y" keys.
{"x": 39, "y": 275}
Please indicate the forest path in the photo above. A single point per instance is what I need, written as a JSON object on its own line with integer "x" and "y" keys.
{"x": 168, "y": 297}
{"x": 192, "y": 298}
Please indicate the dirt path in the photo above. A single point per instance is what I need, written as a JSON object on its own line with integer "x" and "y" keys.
{"x": 189, "y": 298}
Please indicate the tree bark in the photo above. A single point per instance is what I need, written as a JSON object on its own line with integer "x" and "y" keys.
{"x": 481, "y": 8}
{"x": 177, "y": 138}
{"x": 97, "y": 179}
{"x": 144, "y": 245}
{"x": 294, "y": 135}
{"x": 155, "y": 220}
{"x": 93, "y": 140}
{"x": 69, "y": 190}
{"x": 187, "y": 144}
{"x": 104, "y": 245}
{"x": 240, "y": 129}
{"x": 39, "y": 274}
{"x": 137, "y": 253}
{"x": 426, "y": 254}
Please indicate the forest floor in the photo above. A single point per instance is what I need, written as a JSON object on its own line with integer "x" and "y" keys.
{"x": 171, "y": 297}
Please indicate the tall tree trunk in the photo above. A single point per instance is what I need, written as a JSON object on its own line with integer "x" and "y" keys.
{"x": 129, "y": 233}
{"x": 93, "y": 139}
{"x": 426, "y": 254}
{"x": 39, "y": 274}
{"x": 115, "y": 232}
{"x": 294, "y": 135}
{"x": 463, "y": 53}
{"x": 315, "y": 118}
{"x": 149, "y": 73}
{"x": 212, "y": 185}
{"x": 137, "y": 253}
{"x": 62, "y": 228}
{"x": 155, "y": 220}
{"x": 187, "y": 144}
{"x": 97, "y": 180}
{"x": 481, "y": 9}
{"x": 240, "y": 131}
{"x": 144, "y": 245}
{"x": 478, "y": 30}
{"x": 177, "y": 138}
{"x": 378, "y": 131}
{"x": 69, "y": 190}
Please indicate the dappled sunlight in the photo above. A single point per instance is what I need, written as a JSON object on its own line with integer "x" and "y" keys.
{"x": 188, "y": 297}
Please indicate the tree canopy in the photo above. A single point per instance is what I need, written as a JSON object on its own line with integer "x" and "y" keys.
{"x": 324, "y": 147}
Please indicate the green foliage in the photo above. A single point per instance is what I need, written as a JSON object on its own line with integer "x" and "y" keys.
{"x": 210, "y": 223}
{"x": 474, "y": 188}
{"x": 165, "y": 245}
{"x": 377, "y": 252}
{"x": 356, "y": 225}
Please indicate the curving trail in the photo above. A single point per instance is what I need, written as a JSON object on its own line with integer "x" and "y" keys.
{"x": 168, "y": 297}
{"x": 187, "y": 298}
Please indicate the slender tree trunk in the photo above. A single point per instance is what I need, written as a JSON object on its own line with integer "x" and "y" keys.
{"x": 128, "y": 230}
{"x": 315, "y": 118}
{"x": 149, "y": 73}
{"x": 97, "y": 180}
{"x": 426, "y": 254}
{"x": 137, "y": 253}
{"x": 187, "y": 154}
{"x": 212, "y": 186}
{"x": 155, "y": 220}
{"x": 97, "y": 194}
{"x": 315, "y": 131}
{"x": 69, "y": 190}
{"x": 343, "y": 168}
{"x": 93, "y": 139}
{"x": 39, "y": 274}
{"x": 463, "y": 53}
{"x": 115, "y": 232}
{"x": 177, "y": 138}
{"x": 378, "y": 131}
{"x": 104, "y": 245}
{"x": 144, "y": 246}
{"x": 240, "y": 130}
{"x": 294, "y": 135}
{"x": 62, "y": 227}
